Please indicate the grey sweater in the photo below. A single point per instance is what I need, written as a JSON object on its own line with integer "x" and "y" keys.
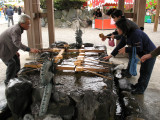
{"x": 10, "y": 42}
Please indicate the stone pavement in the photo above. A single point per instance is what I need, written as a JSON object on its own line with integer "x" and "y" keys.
{"x": 149, "y": 102}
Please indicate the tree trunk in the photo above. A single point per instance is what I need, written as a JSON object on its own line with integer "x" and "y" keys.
{"x": 157, "y": 16}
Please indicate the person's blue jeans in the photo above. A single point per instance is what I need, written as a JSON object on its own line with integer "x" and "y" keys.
{"x": 10, "y": 18}
{"x": 6, "y": 17}
{"x": 145, "y": 74}
{"x": 13, "y": 67}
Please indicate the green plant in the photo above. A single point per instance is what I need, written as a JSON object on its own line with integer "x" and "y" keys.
{"x": 43, "y": 4}
{"x": 67, "y": 4}
{"x": 64, "y": 4}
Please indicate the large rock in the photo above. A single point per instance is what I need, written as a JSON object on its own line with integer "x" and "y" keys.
{"x": 124, "y": 84}
{"x": 91, "y": 97}
{"x": 64, "y": 25}
{"x": 64, "y": 13}
{"x": 72, "y": 14}
{"x": 52, "y": 117}
{"x": 18, "y": 94}
{"x": 96, "y": 106}
{"x": 83, "y": 15}
{"x": 28, "y": 117}
{"x": 57, "y": 14}
{"x": 132, "y": 107}
{"x": 79, "y": 12}
{"x": 77, "y": 95}
{"x": 65, "y": 111}
{"x": 67, "y": 19}
{"x": 58, "y": 22}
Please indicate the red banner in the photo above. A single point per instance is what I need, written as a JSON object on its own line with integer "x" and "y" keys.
{"x": 97, "y": 3}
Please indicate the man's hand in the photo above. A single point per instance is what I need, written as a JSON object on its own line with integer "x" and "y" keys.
{"x": 145, "y": 57}
{"x": 107, "y": 57}
{"x": 33, "y": 50}
{"x": 122, "y": 50}
{"x": 103, "y": 38}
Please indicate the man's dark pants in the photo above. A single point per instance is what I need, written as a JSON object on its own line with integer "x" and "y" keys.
{"x": 13, "y": 66}
{"x": 145, "y": 74}
{"x": 10, "y": 18}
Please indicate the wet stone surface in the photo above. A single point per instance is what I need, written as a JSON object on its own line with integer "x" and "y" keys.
{"x": 89, "y": 93}
{"x": 80, "y": 95}
{"x": 74, "y": 95}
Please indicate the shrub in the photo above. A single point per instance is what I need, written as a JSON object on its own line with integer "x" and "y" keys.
{"x": 64, "y": 4}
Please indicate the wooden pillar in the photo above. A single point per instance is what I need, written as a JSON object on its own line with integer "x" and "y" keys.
{"x": 141, "y": 11}
{"x": 135, "y": 7}
{"x": 34, "y": 34}
{"x": 28, "y": 11}
{"x": 37, "y": 24}
{"x": 50, "y": 18}
{"x": 121, "y": 5}
{"x": 157, "y": 16}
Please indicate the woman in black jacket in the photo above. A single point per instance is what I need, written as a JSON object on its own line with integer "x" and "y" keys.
{"x": 133, "y": 37}
{"x": 117, "y": 14}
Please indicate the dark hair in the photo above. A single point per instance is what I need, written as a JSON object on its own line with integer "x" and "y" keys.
{"x": 116, "y": 13}
{"x": 124, "y": 25}
{"x": 98, "y": 9}
{"x": 142, "y": 28}
{"x": 110, "y": 11}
